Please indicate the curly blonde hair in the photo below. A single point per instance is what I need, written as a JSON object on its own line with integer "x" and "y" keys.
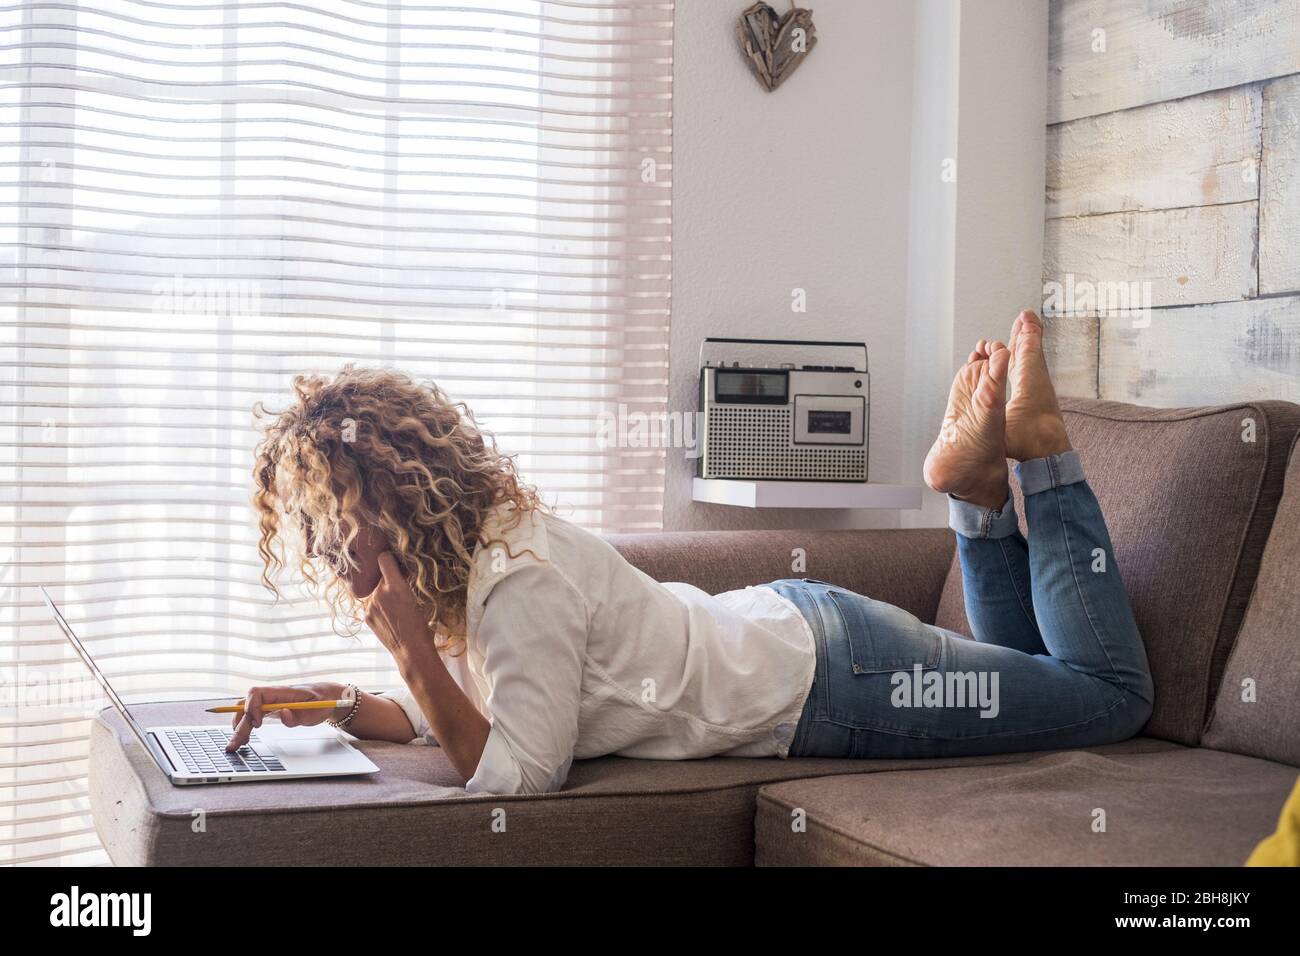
{"x": 371, "y": 446}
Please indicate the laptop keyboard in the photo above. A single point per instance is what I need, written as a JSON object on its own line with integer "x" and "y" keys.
{"x": 204, "y": 751}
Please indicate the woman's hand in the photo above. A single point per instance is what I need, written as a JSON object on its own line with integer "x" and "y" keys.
{"x": 260, "y": 703}
{"x": 398, "y": 619}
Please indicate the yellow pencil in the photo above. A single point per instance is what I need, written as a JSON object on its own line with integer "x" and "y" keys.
{"x": 296, "y": 705}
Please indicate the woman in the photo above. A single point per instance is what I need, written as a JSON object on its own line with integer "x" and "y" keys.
{"x": 398, "y": 508}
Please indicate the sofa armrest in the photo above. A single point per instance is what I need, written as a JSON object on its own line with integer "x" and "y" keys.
{"x": 905, "y": 567}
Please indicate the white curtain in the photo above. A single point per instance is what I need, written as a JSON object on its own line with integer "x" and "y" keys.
{"x": 198, "y": 200}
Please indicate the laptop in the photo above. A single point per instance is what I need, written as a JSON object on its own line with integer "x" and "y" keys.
{"x": 194, "y": 755}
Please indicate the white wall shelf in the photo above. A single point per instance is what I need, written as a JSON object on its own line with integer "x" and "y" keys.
{"x": 805, "y": 494}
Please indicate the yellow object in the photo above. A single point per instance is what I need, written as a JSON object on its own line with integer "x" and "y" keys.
{"x": 272, "y": 708}
{"x": 1283, "y": 847}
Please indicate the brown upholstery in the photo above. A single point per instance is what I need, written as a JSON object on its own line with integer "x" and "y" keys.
{"x": 612, "y": 810}
{"x": 1180, "y": 807}
{"x": 1189, "y": 505}
{"x": 1265, "y": 661}
{"x": 907, "y": 568}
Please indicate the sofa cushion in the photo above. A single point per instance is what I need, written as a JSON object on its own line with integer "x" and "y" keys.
{"x": 1258, "y": 708}
{"x": 612, "y": 810}
{"x": 1189, "y": 503}
{"x": 1179, "y": 807}
{"x": 907, "y": 567}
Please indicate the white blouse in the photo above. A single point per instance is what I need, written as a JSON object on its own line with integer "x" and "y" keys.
{"x": 573, "y": 652}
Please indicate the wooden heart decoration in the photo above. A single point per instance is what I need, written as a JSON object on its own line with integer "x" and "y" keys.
{"x": 774, "y": 45}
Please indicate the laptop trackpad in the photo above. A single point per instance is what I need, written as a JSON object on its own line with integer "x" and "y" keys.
{"x": 305, "y": 747}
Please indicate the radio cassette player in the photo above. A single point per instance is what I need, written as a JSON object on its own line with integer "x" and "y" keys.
{"x": 776, "y": 409}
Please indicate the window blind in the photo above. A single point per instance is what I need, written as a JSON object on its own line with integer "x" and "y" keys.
{"x": 199, "y": 200}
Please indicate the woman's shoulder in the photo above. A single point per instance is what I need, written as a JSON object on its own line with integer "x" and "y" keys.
{"x": 515, "y": 540}
{"x": 549, "y": 537}
{"x": 512, "y": 539}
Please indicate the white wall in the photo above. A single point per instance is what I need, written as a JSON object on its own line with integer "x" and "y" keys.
{"x": 981, "y": 92}
{"x": 831, "y": 185}
{"x": 928, "y": 351}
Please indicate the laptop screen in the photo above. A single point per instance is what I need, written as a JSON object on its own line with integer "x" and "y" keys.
{"x": 99, "y": 675}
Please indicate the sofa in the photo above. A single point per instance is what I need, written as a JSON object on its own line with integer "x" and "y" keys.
{"x": 1203, "y": 506}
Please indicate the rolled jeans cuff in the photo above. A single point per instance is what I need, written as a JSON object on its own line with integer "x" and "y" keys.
{"x": 973, "y": 521}
{"x": 1040, "y": 474}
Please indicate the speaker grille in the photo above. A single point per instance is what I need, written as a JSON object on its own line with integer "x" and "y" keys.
{"x": 753, "y": 441}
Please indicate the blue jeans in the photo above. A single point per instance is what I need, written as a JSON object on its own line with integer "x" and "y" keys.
{"x": 1057, "y": 659}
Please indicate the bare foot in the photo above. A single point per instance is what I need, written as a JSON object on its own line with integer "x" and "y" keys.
{"x": 1035, "y": 427}
{"x": 969, "y": 459}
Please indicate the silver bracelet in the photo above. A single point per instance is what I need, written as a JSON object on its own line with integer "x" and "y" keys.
{"x": 355, "y": 694}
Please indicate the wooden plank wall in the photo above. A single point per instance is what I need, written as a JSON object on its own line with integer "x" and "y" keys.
{"x": 1173, "y": 173}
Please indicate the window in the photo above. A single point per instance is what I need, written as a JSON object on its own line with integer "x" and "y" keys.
{"x": 198, "y": 201}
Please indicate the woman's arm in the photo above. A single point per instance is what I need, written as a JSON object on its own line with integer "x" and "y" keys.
{"x": 533, "y": 639}
{"x": 398, "y": 621}
{"x": 377, "y": 718}
{"x": 454, "y": 721}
